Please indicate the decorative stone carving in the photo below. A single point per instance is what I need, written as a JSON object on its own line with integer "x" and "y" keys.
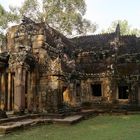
{"x": 17, "y": 59}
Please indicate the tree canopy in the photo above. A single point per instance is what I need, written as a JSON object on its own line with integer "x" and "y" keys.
{"x": 5, "y": 18}
{"x": 67, "y": 16}
{"x": 125, "y": 28}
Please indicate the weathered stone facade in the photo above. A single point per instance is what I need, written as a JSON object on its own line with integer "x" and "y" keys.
{"x": 41, "y": 69}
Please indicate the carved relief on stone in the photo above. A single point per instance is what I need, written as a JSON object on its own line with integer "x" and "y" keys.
{"x": 58, "y": 42}
{"x": 38, "y": 41}
{"x": 19, "y": 57}
{"x": 107, "y": 89}
{"x": 26, "y": 32}
{"x": 43, "y": 60}
{"x": 55, "y": 66}
{"x": 17, "y": 60}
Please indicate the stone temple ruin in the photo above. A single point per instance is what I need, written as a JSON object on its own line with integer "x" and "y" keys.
{"x": 41, "y": 70}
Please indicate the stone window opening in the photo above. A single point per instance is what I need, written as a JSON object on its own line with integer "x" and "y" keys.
{"x": 96, "y": 90}
{"x": 123, "y": 92}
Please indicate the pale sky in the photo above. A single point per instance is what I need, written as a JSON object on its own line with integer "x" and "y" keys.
{"x": 103, "y": 12}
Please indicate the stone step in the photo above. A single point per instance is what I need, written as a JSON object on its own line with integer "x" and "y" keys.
{"x": 10, "y": 126}
{"x": 69, "y": 120}
{"x": 13, "y": 126}
{"x": 54, "y": 115}
{"x": 19, "y": 118}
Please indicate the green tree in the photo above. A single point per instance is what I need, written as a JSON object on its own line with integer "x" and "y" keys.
{"x": 6, "y": 18}
{"x": 67, "y": 16}
{"x": 125, "y": 28}
{"x": 3, "y": 19}
{"x": 30, "y": 8}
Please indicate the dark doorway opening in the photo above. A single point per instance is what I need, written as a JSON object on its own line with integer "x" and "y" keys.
{"x": 78, "y": 90}
{"x": 96, "y": 90}
{"x": 123, "y": 92}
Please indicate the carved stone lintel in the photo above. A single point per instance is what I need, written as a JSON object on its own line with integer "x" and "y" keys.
{"x": 22, "y": 58}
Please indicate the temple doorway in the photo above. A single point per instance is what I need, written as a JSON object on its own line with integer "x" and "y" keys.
{"x": 123, "y": 92}
{"x": 66, "y": 94}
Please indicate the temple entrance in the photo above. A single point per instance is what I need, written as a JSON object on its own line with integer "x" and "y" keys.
{"x": 66, "y": 96}
{"x": 123, "y": 92}
{"x": 96, "y": 90}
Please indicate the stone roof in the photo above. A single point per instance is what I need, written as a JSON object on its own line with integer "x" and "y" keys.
{"x": 99, "y": 40}
{"x": 86, "y": 54}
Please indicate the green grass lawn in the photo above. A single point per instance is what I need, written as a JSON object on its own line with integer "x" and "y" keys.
{"x": 98, "y": 128}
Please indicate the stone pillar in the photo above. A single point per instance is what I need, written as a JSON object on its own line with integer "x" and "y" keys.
{"x": 29, "y": 94}
{"x": 12, "y": 89}
{"x": 9, "y": 92}
{"x": 55, "y": 100}
{"x": 0, "y": 88}
{"x": 19, "y": 97}
{"x": 3, "y": 91}
{"x": 34, "y": 101}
